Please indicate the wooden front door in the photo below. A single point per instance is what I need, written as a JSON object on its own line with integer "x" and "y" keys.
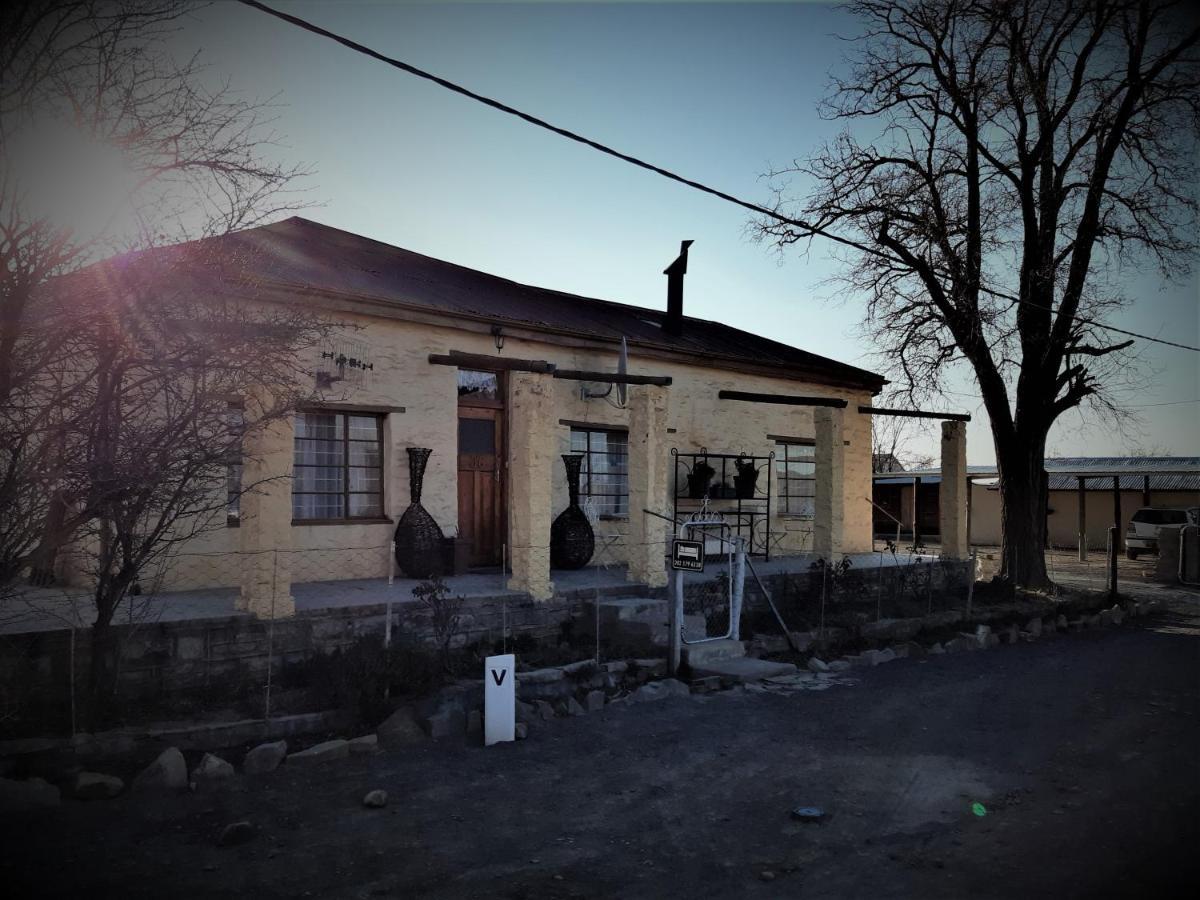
{"x": 481, "y": 483}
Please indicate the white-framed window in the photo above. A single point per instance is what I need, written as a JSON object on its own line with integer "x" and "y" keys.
{"x": 604, "y": 475}
{"x": 795, "y": 465}
{"x": 338, "y": 466}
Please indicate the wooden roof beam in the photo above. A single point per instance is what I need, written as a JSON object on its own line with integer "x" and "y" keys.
{"x": 914, "y": 413}
{"x": 491, "y": 363}
{"x": 784, "y": 399}
{"x": 612, "y": 377}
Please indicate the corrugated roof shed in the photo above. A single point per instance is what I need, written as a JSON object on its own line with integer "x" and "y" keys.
{"x": 1166, "y": 473}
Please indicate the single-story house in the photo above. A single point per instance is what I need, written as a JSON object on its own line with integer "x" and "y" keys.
{"x": 1107, "y": 489}
{"x": 498, "y": 379}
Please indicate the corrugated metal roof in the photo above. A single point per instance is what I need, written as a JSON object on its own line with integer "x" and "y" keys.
{"x": 1166, "y": 473}
{"x": 1130, "y": 463}
{"x": 1169, "y": 482}
{"x": 307, "y": 256}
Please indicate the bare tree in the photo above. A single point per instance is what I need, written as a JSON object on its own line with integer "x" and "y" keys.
{"x": 892, "y": 444}
{"x": 97, "y": 75}
{"x": 1001, "y": 160}
{"x": 117, "y": 378}
{"x": 183, "y": 384}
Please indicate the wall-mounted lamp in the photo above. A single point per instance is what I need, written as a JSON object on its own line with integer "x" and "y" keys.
{"x": 498, "y": 337}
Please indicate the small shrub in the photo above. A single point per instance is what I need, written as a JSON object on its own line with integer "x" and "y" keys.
{"x": 366, "y": 677}
{"x": 444, "y": 612}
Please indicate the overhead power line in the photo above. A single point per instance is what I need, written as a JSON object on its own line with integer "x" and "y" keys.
{"x": 633, "y": 160}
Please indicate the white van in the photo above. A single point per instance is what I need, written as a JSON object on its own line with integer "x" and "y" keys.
{"x": 1142, "y": 534}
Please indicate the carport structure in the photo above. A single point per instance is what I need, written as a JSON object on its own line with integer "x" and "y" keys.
{"x": 1128, "y": 482}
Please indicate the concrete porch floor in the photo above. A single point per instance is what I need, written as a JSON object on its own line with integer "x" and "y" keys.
{"x": 60, "y": 609}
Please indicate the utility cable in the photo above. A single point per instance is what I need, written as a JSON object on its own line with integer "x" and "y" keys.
{"x": 633, "y": 160}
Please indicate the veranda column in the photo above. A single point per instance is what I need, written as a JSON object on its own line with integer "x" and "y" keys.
{"x": 952, "y": 506}
{"x": 647, "y": 484}
{"x": 531, "y": 462}
{"x": 265, "y": 530}
{"x": 829, "y": 513}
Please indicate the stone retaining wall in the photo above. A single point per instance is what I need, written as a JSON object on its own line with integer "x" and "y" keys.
{"x": 226, "y": 654}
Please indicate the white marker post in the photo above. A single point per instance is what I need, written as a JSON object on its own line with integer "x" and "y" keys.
{"x": 499, "y": 699}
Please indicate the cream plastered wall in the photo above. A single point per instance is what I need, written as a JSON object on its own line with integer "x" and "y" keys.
{"x": 422, "y": 403}
{"x": 1063, "y": 521}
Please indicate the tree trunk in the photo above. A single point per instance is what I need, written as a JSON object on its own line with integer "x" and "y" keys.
{"x": 1022, "y": 466}
{"x": 101, "y": 671}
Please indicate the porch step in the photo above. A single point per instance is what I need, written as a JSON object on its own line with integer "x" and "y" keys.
{"x": 702, "y": 656}
{"x": 744, "y": 669}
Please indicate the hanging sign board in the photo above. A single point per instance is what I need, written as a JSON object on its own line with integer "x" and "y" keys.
{"x": 499, "y": 699}
{"x": 687, "y": 556}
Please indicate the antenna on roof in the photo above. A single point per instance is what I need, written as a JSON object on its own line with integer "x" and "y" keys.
{"x": 343, "y": 359}
{"x": 622, "y": 388}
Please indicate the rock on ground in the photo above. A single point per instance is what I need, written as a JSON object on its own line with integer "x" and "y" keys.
{"x": 212, "y": 768}
{"x": 323, "y": 752}
{"x": 400, "y": 729}
{"x": 95, "y": 786}
{"x": 24, "y": 796}
{"x": 817, "y": 665}
{"x": 235, "y": 833}
{"x": 448, "y": 721}
{"x": 167, "y": 773}
{"x": 265, "y": 758}
{"x": 575, "y": 709}
{"x": 659, "y": 690}
{"x": 376, "y": 799}
{"x": 521, "y": 731}
{"x": 368, "y": 743}
{"x": 595, "y": 701}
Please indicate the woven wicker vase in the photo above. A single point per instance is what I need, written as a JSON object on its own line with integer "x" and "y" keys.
{"x": 418, "y": 537}
{"x": 572, "y": 540}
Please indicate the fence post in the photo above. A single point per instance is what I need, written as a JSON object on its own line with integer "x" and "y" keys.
{"x": 971, "y": 582}
{"x": 929, "y": 587}
{"x": 821, "y": 625}
{"x": 737, "y": 588}
{"x": 1112, "y": 562}
{"x": 675, "y": 620}
{"x": 271, "y": 636}
{"x": 879, "y": 588}
{"x": 387, "y": 627}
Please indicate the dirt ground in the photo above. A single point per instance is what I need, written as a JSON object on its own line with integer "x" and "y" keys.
{"x": 1082, "y": 750}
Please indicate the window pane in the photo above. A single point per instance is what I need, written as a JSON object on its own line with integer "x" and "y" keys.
{"x": 479, "y": 385}
{"x": 364, "y": 479}
{"x": 319, "y": 425}
{"x": 318, "y": 478}
{"x": 318, "y": 506}
{"x": 365, "y": 505}
{"x": 364, "y": 428}
{"x": 364, "y": 454}
{"x": 324, "y": 477}
{"x": 319, "y": 453}
{"x": 476, "y": 436}
{"x": 603, "y": 473}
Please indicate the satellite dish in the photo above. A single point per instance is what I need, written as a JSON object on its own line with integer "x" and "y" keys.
{"x": 622, "y": 389}
{"x": 623, "y": 369}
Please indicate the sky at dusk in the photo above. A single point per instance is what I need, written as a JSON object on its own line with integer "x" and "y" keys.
{"x": 717, "y": 92}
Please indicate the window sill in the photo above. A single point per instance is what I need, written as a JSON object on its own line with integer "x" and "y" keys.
{"x": 375, "y": 520}
{"x": 614, "y": 518}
